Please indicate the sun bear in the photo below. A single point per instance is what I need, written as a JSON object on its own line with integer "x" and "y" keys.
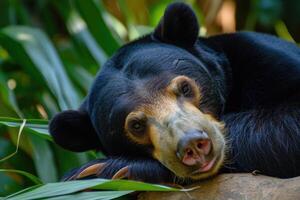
{"x": 175, "y": 107}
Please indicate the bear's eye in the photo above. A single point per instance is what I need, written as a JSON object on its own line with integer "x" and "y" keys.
{"x": 186, "y": 89}
{"x": 137, "y": 127}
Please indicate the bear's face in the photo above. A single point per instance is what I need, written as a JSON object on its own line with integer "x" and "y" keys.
{"x": 167, "y": 118}
{"x": 156, "y": 98}
{"x": 145, "y": 101}
{"x": 152, "y": 117}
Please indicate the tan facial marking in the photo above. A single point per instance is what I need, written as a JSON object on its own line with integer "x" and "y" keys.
{"x": 175, "y": 88}
{"x": 142, "y": 136}
{"x": 170, "y": 115}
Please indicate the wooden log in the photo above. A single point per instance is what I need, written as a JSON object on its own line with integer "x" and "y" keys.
{"x": 235, "y": 187}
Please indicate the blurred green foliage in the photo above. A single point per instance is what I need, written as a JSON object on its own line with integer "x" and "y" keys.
{"x": 51, "y": 50}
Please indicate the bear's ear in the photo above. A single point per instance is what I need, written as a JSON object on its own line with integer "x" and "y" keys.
{"x": 178, "y": 26}
{"x": 73, "y": 130}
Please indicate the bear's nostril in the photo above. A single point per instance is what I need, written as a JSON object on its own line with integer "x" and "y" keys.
{"x": 189, "y": 152}
{"x": 193, "y": 147}
{"x": 199, "y": 145}
{"x": 204, "y": 146}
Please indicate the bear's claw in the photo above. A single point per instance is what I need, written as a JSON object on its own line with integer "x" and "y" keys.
{"x": 146, "y": 170}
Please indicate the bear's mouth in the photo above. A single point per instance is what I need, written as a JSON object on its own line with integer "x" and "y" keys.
{"x": 205, "y": 167}
{"x": 201, "y": 171}
{"x": 186, "y": 140}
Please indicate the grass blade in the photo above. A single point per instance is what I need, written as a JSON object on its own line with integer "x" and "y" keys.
{"x": 36, "y": 126}
{"x": 283, "y": 32}
{"x": 91, "y": 12}
{"x": 132, "y": 185}
{"x": 33, "y": 50}
{"x": 18, "y": 142}
{"x": 22, "y": 191}
{"x": 33, "y": 178}
{"x": 8, "y": 96}
{"x": 102, "y": 195}
{"x": 43, "y": 159}
{"x": 64, "y": 188}
{"x": 57, "y": 189}
{"x": 78, "y": 28}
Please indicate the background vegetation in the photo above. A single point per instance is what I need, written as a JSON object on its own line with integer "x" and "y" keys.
{"x": 50, "y": 51}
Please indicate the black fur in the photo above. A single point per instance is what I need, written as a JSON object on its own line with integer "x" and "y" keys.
{"x": 179, "y": 26}
{"x": 249, "y": 80}
{"x": 73, "y": 130}
{"x": 147, "y": 170}
{"x": 266, "y": 140}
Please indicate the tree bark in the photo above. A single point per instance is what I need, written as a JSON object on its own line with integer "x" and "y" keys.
{"x": 235, "y": 187}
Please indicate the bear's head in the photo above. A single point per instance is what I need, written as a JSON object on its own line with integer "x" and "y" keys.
{"x": 156, "y": 97}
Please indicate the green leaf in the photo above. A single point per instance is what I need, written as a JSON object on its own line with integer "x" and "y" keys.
{"x": 13, "y": 12}
{"x": 64, "y": 188}
{"x": 56, "y": 189}
{"x": 22, "y": 191}
{"x": 132, "y": 185}
{"x": 33, "y": 50}
{"x": 36, "y": 126}
{"x": 83, "y": 77}
{"x": 8, "y": 96}
{"x": 42, "y": 153}
{"x": 18, "y": 143}
{"x": 78, "y": 28}
{"x": 43, "y": 159}
{"x": 9, "y": 185}
{"x": 91, "y": 12}
{"x": 103, "y": 195}
{"x": 33, "y": 178}
{"x": 67, "y": 160}
{"x": 80, "y": 35}
{"x": 283, "y": 32}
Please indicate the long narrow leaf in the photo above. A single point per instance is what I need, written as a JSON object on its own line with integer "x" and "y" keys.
{"x": 78, "y": 28}
{"x": 33, "y": 50}
{"x": 65, "y": 188}
{"x": 57, "y": 189}
{"x": 39, "y": 127}
{"x": 18, "y": 142}
{"x": 33, "y": 178}
{"x": 132, "y": 185}
{"x": 43, "y": 159}
{"x": 90, "y": 11}
{"x": 22, "y": 191}
{"x": 8, "y": 97}
{"x": 83, "y": 77}
{"x": 42, "y": 153}
{"x": 103, "y": 195}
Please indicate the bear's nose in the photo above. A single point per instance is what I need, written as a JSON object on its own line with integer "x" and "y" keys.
{"x": 193, "y": 147}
